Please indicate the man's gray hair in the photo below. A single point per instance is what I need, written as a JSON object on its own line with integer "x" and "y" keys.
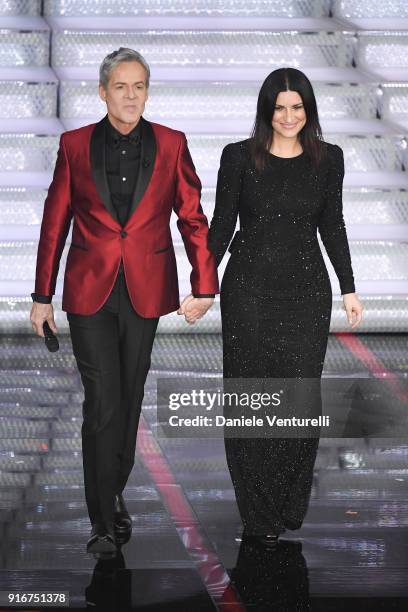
{"x": 123, "y": 54}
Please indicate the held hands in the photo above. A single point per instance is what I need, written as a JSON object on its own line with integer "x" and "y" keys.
{"x": 354, "y": 309}
{"x": 194, "y": 308}
{"x": 40, "y": 313}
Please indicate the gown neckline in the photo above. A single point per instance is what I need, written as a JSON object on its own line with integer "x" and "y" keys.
{"x": 293, "y": 157}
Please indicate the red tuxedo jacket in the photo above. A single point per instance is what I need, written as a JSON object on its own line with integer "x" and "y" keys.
{"x": 167, "y": 181}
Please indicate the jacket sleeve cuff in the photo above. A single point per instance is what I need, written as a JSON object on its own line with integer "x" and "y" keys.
{"x": 43, "y": 299}
{"x": 203, "y": 295}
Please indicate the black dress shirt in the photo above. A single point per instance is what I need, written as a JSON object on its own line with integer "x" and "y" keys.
{"x": 122, "y": 163}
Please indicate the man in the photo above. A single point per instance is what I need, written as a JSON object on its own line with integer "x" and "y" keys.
{"x": 119, "y": 179}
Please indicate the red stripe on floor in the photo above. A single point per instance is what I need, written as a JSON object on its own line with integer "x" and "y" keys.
{"x": 208, "y": 564}
{"x": 359, "y": 349}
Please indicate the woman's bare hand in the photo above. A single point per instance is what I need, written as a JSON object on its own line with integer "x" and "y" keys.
{"x": 354, "y": 309}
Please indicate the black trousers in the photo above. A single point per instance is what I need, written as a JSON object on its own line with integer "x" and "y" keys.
{"x": 112, "y": 349}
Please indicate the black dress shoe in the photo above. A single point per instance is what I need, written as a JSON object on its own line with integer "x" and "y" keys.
{"x": 102, "y": 541}
{"x": 121, "y": 518}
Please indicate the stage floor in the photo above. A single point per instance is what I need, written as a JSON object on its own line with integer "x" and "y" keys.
{"x": 186, "y": 552}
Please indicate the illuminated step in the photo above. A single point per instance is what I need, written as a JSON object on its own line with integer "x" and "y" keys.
{"x": 27, "y": 153}
{"x": 23, "y": 152}
{"x": 20, "y": 7}
{"x": 19, "y": 100}
{"x": 29, "y": 159}
{"x": 200, "y": 8}
{"x": 370, "y": 8}
{"x": 366, "y": 484}
{"x": 243, "y": 49}
{"x": 386, "y": 312}
{"x": 200, "y": 101}
{"x": 384, "y": 54}
{"x": 376, "y": 264}
{"x": 25, "y": 41}
{"x": 28, "y": 102}
{"x": 394, "y": 102}
{"x": 368, "y": 213}
{"x": 308, "y": 15}
{"x": 22, "y": 428}
{"x": 361, "y": 153}
{"x": 19, "y": 463}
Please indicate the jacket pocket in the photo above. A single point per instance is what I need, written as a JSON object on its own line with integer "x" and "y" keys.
{"x": 78, "y": 246}
{"x": 164, "y": 249}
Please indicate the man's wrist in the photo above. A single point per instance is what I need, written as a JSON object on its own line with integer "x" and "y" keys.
{"x": 42, "y": 299}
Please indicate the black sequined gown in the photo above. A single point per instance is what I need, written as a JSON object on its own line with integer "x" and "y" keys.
{"x": 276, "y": 302}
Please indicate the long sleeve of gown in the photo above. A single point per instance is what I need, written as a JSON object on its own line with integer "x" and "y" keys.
{"x": 331, "y": 223}
{"x": 226, "y": 201}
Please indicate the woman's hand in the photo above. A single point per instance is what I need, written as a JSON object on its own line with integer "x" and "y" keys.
{"x": 354, "y": 309}
{"x": 194, "y": 308}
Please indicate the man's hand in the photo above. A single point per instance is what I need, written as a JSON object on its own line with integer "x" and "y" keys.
{"x": 194, "y": 308}
{"x": 40, "y": 313}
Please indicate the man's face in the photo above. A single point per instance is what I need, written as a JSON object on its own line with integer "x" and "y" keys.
{"x": 126, "y": 92}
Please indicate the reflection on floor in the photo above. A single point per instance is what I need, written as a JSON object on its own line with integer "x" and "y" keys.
{"x": 186, "y": 552}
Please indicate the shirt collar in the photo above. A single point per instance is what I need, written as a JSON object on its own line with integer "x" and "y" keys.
{"x": 115, "y": 138}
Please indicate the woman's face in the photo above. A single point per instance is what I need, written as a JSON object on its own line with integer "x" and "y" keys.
{"x": 289, "y": 115}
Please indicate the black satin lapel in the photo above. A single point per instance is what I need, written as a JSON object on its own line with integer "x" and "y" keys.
{"x": 147, "y": 159}
{"x": 98, "y": 165}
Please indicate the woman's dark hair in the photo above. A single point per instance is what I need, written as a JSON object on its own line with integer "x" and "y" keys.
{"x": 310, "y": 136}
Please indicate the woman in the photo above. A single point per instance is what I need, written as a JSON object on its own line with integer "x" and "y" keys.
{"x": 276, "y": 299}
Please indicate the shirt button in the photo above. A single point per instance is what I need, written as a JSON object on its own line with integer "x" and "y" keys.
{"x": 123, "y": 233}
{"x": 123, "y": 178}
{"x": 123, "y": 152}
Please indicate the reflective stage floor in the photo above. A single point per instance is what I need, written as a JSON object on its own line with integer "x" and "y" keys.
{"x": 186, "y": 552}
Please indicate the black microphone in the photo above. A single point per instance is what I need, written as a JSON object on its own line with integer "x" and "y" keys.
{"x": 51, "y": 340}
